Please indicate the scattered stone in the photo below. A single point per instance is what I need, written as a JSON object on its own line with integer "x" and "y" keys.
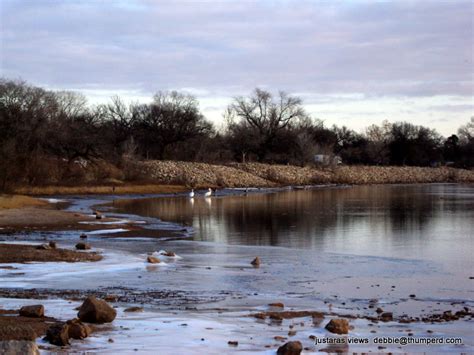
{"x": 338, "y": 326}
{"x": 289, "y": 315}
{"x": 83, "y": 236}
{"x": 290, "y": 348}
{"x": 153, "y": 260}
{"x": 77, "y": 329}
{"x": 279, "y": 338}
{"x": 98, "y": 215}
{"x": 169, "y": 254}
{"x": 256, "y": 262}
{"x": 43, "y": 247}
{"x": 15, "y": 347}
{"x": 111, "y": 298}
{"x": 83, "y": 246}
{"x": 292, "y": 333}
{"x": 233, "y": 343}
{"x": 58, "y": 334}
{"x": 277, "y": 304}
{"x": 412, "y": 296}
{"x": 386, "y": 317}
{"x": 35, "y": 311}
{"x": 110, "y": 340}
{"x": 133, "y": 309}
{"x": 94, "y": 310}
{"x": 53, "y": 245}
{"x": 379, "y": 310}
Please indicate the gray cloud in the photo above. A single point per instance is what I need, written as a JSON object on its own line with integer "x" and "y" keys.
{"x": 401, "y": 47}
{"x": 326, "y": 50}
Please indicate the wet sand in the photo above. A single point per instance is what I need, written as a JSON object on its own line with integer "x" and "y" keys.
{"x": 20, "y": 253}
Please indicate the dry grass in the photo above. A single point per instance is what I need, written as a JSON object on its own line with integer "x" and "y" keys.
{"x": 19, "y": 201}
{"x": 101, "y": 189}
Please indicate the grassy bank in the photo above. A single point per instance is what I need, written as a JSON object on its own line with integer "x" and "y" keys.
{"x": 174, "y": 176}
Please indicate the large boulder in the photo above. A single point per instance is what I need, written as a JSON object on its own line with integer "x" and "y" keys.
{"x": 153, "y": 260}
{"x": 256, "y": 262}
{"x": 83, "y": 246}
{"x": 58, "y": 334}
{"x": 338, "y": 326}
{"x": 94, "y": 310}
{"x": 77, "y": 329}
{"x": 15, "y": 347}
{"x": 35, "y": 311}
{"x": 290, "y": 348}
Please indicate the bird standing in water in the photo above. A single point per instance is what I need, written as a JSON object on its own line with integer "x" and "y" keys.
{"x": 191, "y": 194}
{"x": 208, "y": 193}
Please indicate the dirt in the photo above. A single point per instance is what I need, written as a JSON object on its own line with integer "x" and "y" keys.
{"x": 13, "y": 327}
{"x": 19, "y": 253}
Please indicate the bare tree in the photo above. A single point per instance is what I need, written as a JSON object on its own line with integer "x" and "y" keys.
{"x": 265, "y": 115}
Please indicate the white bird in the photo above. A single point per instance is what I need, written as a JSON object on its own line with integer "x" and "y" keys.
{"x": 208, "y": 193}
{"x": 191, "y": 194}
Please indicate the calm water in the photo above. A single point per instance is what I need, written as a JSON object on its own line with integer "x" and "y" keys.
{"x": 423, "y": 221}
{"x": 336, "y": 248}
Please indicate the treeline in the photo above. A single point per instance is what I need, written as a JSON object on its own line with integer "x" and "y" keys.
{"x": 49, "y": 136}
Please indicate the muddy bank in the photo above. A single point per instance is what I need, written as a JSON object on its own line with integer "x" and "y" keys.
{"x": 16, "y": 327}
{"x": 19, "y": 253}
{"x": 39, "y": 218}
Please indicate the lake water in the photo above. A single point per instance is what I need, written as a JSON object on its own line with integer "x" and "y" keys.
{"x": 434, "y": 222}
{"x": 328, "y": 249}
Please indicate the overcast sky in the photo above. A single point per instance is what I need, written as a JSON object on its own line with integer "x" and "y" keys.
{"x": 353, "y": 62}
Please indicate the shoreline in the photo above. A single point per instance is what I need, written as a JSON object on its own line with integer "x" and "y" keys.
{"x": 172, "y": 177}
{"x": 272, "y": 323}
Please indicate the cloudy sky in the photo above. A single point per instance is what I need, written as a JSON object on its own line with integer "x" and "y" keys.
{"x": 353, "y": 62}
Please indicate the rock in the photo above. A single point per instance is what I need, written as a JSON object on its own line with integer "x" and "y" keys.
{"x": 58, "y": 334}
{"x": 256, "y": 262}
{"x": 15, "y": 347}
{"x": 277, "y": 304}
{"x": 153, "y": 260}
{"x": 43, "y": 247}
{"x": 386, "y": 316}
{"x": 233, "y": 343}
{"x": 338, "y": 326}
{"x": 133, "y": 309}
{"x": 83, "y": 236}
{"x": 169, "y": 254}
{"x": 98, "y": 215}
{"x": 279, "y": 338}
{"x": 77, "y": 329}
{"x": 94, "y": 310}
{"x": 379, "y": 310}
{"x": 110, "y": 340}
{"x": 82, "y": 246}
{"x": 35, "y": 311}
{"x": 412, "y": 296}
{"x": 292, "y": 333}
{"x": 111, "y": 298}
{"x": 52, "y": 245}
{"x": 290, "y": 348}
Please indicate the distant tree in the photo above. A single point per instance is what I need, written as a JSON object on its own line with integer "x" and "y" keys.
{"x": 262, "y": 117}
{"x": 451, "y": 148}
{"x": 378, "y": 139}
{"x": 466, "y": 144}
{"x": 414, "y": 145}
{"x": 171, "y": 118}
